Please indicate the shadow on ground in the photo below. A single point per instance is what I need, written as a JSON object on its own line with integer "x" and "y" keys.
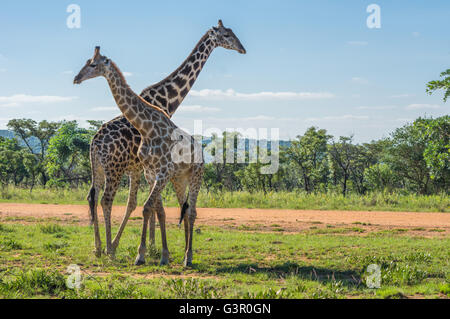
{"x": 290, "y": 269}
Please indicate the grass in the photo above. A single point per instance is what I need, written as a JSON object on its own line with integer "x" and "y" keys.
{"x": 280, "y": 200}
{"x": 228, "y": 263}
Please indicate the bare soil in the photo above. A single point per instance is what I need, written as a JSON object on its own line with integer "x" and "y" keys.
{"x": 412, "y": 223}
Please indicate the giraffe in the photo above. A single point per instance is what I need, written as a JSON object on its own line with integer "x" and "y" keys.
{"x": 113, "y": 151}
{"x": 165, "y": 151}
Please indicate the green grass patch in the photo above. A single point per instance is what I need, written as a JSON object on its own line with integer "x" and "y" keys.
{"x": 228, "y": 263}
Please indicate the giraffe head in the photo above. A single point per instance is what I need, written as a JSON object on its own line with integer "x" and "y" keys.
{"x": 225, "y": 38}
{"x": 98, "y": 65}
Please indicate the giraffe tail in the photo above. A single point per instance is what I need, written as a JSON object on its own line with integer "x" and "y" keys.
{"x": 183, "y": 210}
{"x": 91, "y": 200}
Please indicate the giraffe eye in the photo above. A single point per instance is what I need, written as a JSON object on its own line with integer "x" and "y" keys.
{"x": 93, "y": 65}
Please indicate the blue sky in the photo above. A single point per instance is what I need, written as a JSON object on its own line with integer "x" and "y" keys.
{"x": 308, "y": 63}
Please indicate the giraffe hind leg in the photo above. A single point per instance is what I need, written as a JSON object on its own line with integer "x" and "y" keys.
{"x": 194, "y": 188}
{"x": 94, "y": 192}
{"x": 111, "y": 186}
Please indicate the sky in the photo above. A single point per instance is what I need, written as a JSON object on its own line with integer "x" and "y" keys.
{"x": 308, "y": 63}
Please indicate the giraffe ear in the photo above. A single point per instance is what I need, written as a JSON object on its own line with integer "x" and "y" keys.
{"x": 220, "y": 24}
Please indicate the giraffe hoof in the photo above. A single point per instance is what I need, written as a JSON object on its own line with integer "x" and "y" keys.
{"x": 139, "y": 261}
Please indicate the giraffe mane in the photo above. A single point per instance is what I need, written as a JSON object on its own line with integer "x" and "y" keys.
{"x": 142, "y": 100}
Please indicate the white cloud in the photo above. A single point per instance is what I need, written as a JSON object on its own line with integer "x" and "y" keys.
{"x": 230, "y": 94}
{"x": 197, "y": 109}
{"x": 422, "y": 106}
{"x": 359, "y": 43}
{"x": 416, "y": 34}
{"x": 2, "y": 70}
{"x": 378, "y": 107}
{"x": 359, "y": 80}
{"x": 20, "y": 99}
{"x": 337, "y": 118}
{"x": 127, "y": 74}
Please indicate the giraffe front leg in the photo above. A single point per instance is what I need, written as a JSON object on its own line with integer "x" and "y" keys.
{"x": 162, "y": 226}
{"x": 152, "y": 204}
{"x": 151, "y": 227}
{"x": 192, "y": 213}
{"x": 152, "y": 224}
{"x": 140, "y": 259}
{"x": 131, "y": 206}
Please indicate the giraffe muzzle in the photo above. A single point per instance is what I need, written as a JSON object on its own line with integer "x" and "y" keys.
{"x": 77, "y": 79}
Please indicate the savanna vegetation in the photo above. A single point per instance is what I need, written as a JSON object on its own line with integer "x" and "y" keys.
{"x": 49, "y": 162}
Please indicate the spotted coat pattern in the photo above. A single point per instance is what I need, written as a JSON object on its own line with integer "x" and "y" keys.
{"x": 114, "y": 147}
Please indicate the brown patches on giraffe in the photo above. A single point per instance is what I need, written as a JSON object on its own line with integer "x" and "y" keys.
{"x": 159, "y": 167}
{"x": 105, "y": 159}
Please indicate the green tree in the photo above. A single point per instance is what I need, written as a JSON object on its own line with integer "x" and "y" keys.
{"x": 405, "y": 157}
{"x": 12, "y": 156}
{"x": 436, "y": 134}
{"x": 309, "y": 153}
{"x": 251, "y": 177}
{"x": 443, "y": 84}
{"x": 343, "y": 159}
{"x": 26, "y": 130}
{"x": 223, "y": 168}
{"x": 379, "y": 177}
{"x": 68, "y": 154}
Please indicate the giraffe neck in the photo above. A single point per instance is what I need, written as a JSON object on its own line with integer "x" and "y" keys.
{"x": 130, "y": 104}
{"x": 170, "y": 92}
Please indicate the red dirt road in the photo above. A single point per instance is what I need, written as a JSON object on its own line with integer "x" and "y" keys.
{"x": 429, "y": 224}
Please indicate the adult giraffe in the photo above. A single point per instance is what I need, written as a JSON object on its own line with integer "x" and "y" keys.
{"x": 165, "y": 151}
{"x": 114, "y": 147}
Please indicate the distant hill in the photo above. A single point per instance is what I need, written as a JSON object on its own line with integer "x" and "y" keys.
{"x": 6, "y": 133}
{"x": 32, "y": 141}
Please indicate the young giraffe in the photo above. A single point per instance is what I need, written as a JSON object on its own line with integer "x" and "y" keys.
{"x": 166, "y": 153}
{"x": 114, "y": 147}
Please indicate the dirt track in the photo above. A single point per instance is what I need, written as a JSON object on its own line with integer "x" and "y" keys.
{"x": 428, "y": 224}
